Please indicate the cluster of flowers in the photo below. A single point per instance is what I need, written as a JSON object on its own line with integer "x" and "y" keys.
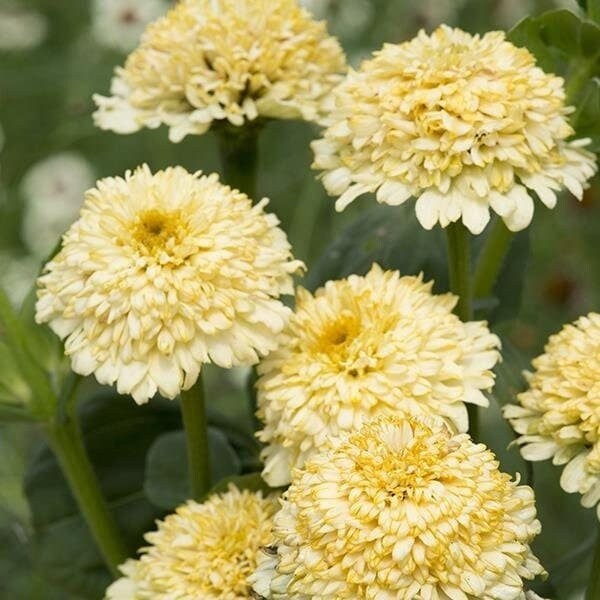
{"x": 362, "y": 388}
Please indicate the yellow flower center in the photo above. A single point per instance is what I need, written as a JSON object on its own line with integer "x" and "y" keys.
{"x": 157, "y": 231}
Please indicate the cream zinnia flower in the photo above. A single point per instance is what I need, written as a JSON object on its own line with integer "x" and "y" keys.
{"x": 559, "y": 415}
{"x": 463, "y": 123}
{"x": 162, "y": 273}
{"x": 365, "y": 346}
{"x": 401, "y": 510}
{"x": 202, "y": 551}
{"x": 224, "y": 60}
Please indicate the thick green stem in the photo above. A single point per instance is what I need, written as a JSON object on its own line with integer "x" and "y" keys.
{"x": 238, "y": 148}
{"x": 459, "y": 267}
{"x": 491, "y": 259}
{"x": 593, "y": 591}
{"x": 67, "y": 443}
{"x": 196, "y": 433}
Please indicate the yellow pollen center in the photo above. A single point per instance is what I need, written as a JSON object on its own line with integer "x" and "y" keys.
{"x": 156, "y": 231}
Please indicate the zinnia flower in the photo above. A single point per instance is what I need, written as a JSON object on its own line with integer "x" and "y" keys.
{"x": 366, "y": 346}
{"x": 401, "y": 509}
{"x": 559, "y": 414}
{"x": 226, "y": 61}
{"x": 202, "y": 551}
{"x": 162, "y": 273}
{"x": 463, "y": 123}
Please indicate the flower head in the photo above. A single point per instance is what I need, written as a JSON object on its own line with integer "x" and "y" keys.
{"x": 203, "y": 551}
{"x": 365, "y": 346}
{"x": 463, "y": 123}
{"x": 224, "y": 61}
{"x": 559, "y": 413}
{"x": 401, "y": 509}
{"x": 162, "y": 273}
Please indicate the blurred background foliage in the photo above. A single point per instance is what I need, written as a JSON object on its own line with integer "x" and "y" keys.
{"x": 54, "y": 54}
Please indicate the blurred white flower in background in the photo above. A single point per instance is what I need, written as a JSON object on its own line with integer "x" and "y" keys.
{"x": 18, "y": 275}
{"x": 21, "y": 29}
{"x": 118, "y": 24}
{"x": 430, "y": 13}
{"x": 53, "y": 192}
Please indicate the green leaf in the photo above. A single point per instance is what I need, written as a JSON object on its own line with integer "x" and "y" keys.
{"x": 18, "y": 575}
{"x": 392, "y": 237}
{"x": 593, "y": 10}
{"x": 118, "y": 434}
{"x": 564, "y": 44}
{"x": 558, "y": 37}
{"x": 586, "y": 118}
{"x": 43, "y": 397}
{"x": 251, "y": 481}
{"x": 167, "y": 483}
{"x": 389, "y": 236}
{"x": 14, "y": 390}
{"x": 509, "y": 374}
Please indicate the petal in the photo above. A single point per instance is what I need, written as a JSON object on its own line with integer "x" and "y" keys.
{"x": 521, "y": 216}
{"x": 353, "y": 192}
{"x": 393, "y": 193}
{"x": 428, "y": 208}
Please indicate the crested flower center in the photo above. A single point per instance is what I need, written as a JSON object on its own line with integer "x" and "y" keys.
{"x": 342, "y": 343}
{"x": 408, "y": 464}
{"x": 157, "y": 232}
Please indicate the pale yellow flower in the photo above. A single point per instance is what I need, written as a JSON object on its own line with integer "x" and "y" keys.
{"x": 227, "y": 61}
{"x": 202, "y": 551}
{"x": 401, "y": 510}
{"x": 366, "y": 346}
{"x": 163, "y": 273}
{"x": 559, "y": 413}
{"x": 463, "y": 123}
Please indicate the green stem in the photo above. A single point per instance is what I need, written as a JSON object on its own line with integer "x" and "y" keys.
{"x": 67, "y": 443}
{"x": 593, "y": 591}
{"x": 238, "y": 148}
{"x": 459, "y": 267}
{"x": 491, "y": 259}
{"x": 196, "y": 433}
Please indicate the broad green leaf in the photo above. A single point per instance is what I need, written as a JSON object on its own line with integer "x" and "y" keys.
{"x": 569, "y": 46}
{"x": 392, "y": 237}
{"x": 509, "y": 374}
{"x": 251, "y": 481}
{"x": 593, "y": 10}
{"x": 559, "y": 39}
{"x": 18, "y": 341}
{"x": 586, "y": 118}
{"x": 14, "y": 391}
{"x": 167, "y": 483}
{"x": 389, "y": 236}
{"x": 118, "y": 434}
{"x": 19, "y": 578}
